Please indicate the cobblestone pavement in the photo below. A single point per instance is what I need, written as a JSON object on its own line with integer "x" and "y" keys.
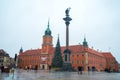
{"x": 46, "y": 75}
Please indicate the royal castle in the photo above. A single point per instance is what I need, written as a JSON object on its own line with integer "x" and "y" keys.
{"x": 81, "y": 56}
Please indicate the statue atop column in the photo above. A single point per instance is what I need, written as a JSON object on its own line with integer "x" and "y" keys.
{"x": 67, "y": 19}
{"x": 67, "y": 11}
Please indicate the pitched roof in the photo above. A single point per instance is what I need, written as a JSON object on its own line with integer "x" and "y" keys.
{"x": 74, "y": 48}
{"x": 107, "y": 54}
{"x": 92, "y": 51}
{"x": 3, "y": 53}
{"x": 31, "y": 52}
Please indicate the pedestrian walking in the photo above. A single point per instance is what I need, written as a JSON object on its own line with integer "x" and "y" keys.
{"x": 79, "y": 70}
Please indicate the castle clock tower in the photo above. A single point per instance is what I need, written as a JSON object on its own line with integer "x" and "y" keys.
{"x": 47, "y": 46}
{"x": 47, "y": 40}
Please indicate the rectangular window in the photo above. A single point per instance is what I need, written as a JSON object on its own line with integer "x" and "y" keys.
{"x": 65, "y": 57}
{"x": 73, "y": 55}
{"x": 77, "y": 55}
{"x": 77, "y": 62}
{"x": 82, "y": 62}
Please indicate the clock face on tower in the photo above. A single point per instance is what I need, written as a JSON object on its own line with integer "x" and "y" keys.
{"x": 47, "y": 40}
{"x": 47, "y": 43}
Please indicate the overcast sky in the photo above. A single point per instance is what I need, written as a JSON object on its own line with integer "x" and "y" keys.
{"x": 23, "y": 23}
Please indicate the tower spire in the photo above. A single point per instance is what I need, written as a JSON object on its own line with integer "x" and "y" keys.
{"x": 85, "y": 42}
{"x": 48, "y": 31}
{"x": 21, "y": 50}
{"x": 48, "y": 22}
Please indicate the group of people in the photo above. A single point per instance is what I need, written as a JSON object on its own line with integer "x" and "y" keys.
{"x": 6, "y": 69}
{"x": 80, "y": 70}
{"x": 31, "y": 68}
{"x": 2, "y": 69}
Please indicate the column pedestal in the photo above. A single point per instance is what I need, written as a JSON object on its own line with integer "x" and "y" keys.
{"x": 67, "y": 66}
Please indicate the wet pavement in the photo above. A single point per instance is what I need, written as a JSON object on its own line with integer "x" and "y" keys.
{"x": 46, "y": 75}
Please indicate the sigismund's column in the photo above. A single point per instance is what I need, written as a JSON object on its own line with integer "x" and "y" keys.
{"x": 67, "y": 65}
{"x": 67, "y": 20}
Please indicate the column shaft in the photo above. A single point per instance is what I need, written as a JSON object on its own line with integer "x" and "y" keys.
{"x": 67, "y": 36}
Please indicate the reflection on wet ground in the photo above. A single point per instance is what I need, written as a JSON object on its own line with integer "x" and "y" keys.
{"x": 46, "y": 75}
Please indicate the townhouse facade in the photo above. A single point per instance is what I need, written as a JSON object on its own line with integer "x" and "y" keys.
{"x": 4, "y": 58}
